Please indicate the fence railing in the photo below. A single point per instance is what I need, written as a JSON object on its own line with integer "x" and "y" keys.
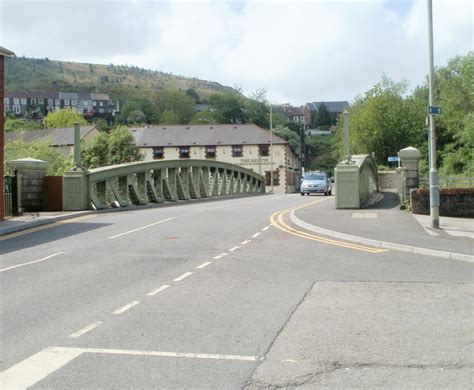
{"x": 449, "y": 182}
{"x": 10, "y": 196}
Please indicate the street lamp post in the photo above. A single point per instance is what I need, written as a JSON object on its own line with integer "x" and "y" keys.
{"x": 434, "y": 179}
{"x": 271, "y": 150}
{"x": 347, "y": 140}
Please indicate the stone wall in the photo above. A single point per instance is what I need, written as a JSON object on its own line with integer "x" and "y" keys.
{"x": 454, "y": 202}
{"x": 387, "y": 180}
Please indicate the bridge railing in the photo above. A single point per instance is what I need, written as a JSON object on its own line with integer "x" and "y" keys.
{"x": 356, "y": 181}
{"x": 140, "y": 183}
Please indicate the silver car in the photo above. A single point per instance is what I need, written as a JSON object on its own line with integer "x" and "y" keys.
{"x": 316, "y": 183}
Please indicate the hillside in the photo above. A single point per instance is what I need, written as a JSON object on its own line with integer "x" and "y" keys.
{"x": 120, "y": 81}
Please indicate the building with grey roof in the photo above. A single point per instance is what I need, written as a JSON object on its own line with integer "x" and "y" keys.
{"x": 335, "y": 108}
{"x": 245, "y": 145}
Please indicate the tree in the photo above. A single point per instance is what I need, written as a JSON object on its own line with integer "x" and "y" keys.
{"x": 41, "y": 150}
{"x": 205, "y": 117}
{"x": 323, "y": 117}
{"x": 146, "y": 106}
{"x": 136, "y": 117}
{"x": 169, "y": 117}
{"x": 191, "y": 92}
{"x": 178, "y": 102}
{"x": 257, "y": 112}
{"x": 115, "y": 147}
{"x": 227, "y": 107}
{"x": 65, "y": 117}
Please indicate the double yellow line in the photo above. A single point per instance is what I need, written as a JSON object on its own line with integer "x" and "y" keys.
{"x": 47, "y": 226}
{"x": 277, "y": 220}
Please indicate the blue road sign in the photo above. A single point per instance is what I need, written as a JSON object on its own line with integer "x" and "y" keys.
{"x": 434, "y": 110}
{"x": 393, "y": 159}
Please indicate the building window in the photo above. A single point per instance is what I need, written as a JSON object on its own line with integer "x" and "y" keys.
{"x": 23, "y": 101}
{"x": 33, "y": 101}
{"x": 276, "y": 178}
{"x": 237, "y": 150}
{"x": 158, "y": 153}
{"x": 6, "y": 108}
{"x": 264, "y": 150}
{"x": 16, "y": 109}
{"x": 50, "y": 102}
{"x": 40, "y": 101}
{"x": 94, "y": 104}
{"x": 57, "y": 102}
{"x": 86, "y": 103}
{"x": 16, "y": 101}
{"x": 101, "y": 110}
{"x": 101, "y": 104}
{"x": 73, "y": 102}
{"x": 184, "y": 152}
{"x": 211, "y": 152}
{"x": 6, "y": 100}
{"x": 66, "y": 102}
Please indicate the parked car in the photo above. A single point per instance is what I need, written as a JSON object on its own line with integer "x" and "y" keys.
{"x": 316, "y": 183}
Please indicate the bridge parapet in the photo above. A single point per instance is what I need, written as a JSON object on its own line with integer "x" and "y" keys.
{"x": 356, "y": 181}
{"x": 140, "y": 183}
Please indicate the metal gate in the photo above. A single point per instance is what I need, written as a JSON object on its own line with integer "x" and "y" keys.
{"x": 10, "y": 195}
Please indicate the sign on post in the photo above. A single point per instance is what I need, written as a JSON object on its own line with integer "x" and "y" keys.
{"x": 434, "y": 110}
{"x": 393, "y": 159}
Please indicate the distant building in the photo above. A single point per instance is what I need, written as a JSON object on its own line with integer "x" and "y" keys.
{"x": 35, "y": 104}
{"x": 62, "y": 139}
{"x": 291, "y": 114}
{"x": 334, "y": 108}
{"x": 245, "y": 145}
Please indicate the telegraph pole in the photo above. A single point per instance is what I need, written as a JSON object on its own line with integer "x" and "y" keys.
{"x": 434, "y": 179}
{"x": 271, "y": 150}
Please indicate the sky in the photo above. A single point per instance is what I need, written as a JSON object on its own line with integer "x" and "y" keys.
{"x": 298, "y": 51}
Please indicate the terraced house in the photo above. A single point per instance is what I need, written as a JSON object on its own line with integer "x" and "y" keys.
{"x": 36, "y": 104}
{"x": 246, "y": 145}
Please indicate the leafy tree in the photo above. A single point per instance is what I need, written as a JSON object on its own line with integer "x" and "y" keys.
{"x": 323, "y": 117}
{"x": 102, "y": 124}
{"x": 146, "y": 106}
{"x": 257, "y": 112}
{"x": 136, "y": 117}
{"x": 191, "y": 92}
{"x": 205, "y": 117}
{"x": 41, "y": 150}
{"x": 292, "y": 138}
{"x": 227, "y": 107}
{"x": 115, "y": 147}
{"x": 20, "y": 124}
{"x": 178, "y": 102}
{"x": 169, "y": 117}
{"x": 65, "y": 117}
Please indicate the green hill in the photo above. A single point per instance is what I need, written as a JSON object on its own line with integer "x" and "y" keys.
{"x": 119, "y": 81}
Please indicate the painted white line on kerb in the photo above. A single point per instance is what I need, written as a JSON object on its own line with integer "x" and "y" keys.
{"x": 37, "y": 367}
{"x": 203, "y": 265}
{"x": 183, "y": 276}
{"x": 266, "y": 228}
{"x": 144, "y": 227}
{"x": 31, "y": 262}
{"x": 86, "y": 329}
{"x": 234, "y": 248}
{"x": 159, "y": 289}
{"x": 256, "y": 235}
{"x": 125, "y": 308}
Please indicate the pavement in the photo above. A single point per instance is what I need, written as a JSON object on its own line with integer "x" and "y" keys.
{"x": 380, "y": 224}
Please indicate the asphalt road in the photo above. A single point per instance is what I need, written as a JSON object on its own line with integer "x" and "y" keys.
{"x": 204, "y": 295}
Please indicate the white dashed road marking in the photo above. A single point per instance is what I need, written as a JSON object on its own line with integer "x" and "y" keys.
{"x": 266, "y": 228}
{"x": 144, "y": 227}
{"x": 183, "y": 276}
{"x": 31, "y": 262}
{"x": 125, "y": 308}
{"x": 159, "y": 289}
{"x": 203, "y": 265}
{"x": 234, "y": 248}
{"x": 256, "y": 235}
{"x": 245, "y": 242}
{"x": 88, "y": 328}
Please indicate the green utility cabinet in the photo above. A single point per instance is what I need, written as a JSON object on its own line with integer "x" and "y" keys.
{"x": 347, "y": 186}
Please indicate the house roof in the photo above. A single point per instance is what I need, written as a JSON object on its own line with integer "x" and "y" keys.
{"x": 58, "y": 137}
{"x": 100, "y": 96}
{"x": 5, "y": 52}
{"x": 68, "y": 95}
{"x": 288, "y": 110}
{"x": 32, "y": 94}
{"x": 202, "y": 135}
{"x": 337, "y": 106}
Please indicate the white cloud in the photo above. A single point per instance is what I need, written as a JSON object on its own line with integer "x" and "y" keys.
{"x": 298, "y": 50}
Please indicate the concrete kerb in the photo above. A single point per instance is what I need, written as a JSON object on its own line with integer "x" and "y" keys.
{"x": 381, "y": 244}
